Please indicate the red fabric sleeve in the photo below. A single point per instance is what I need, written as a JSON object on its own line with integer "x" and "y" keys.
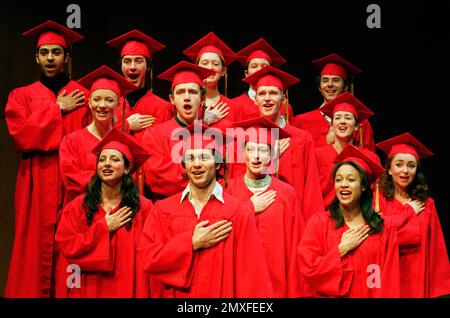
{"x": 169, "y": 260}
{"x": 438, "y": 264}
{"x": 296, "y": 286}
{"x": 162, "y": 175}
{"x": 34, "y": 124}
{"x": 75, "y": 178}
{"x": 406, "y": 223}
{"x": 390, "y": 273}
{"x": 312, "y": 202}
{"x": 252, "y": 275}
{"x": 90, "y": 246}
{"x": 323, "y": 270}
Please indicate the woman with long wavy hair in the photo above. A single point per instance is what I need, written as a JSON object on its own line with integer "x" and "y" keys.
{"x": 405, "y": 198}
{"x": 99, "y": 230}
{"x": 349, "y": 250}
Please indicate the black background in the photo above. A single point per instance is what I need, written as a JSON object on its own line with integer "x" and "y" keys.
{"x": 406, "y": 79}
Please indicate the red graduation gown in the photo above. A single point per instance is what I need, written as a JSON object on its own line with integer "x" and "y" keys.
{"x": 316, "y": 124}
{"x": 77, "y": 162}
{"x": 235, "y": 267}
{"x": 325, "y": 157}
{"x": 110, "y": 266}
{"x": 161, "y": 174}
{"x": 36, "y": 126}
{"x": 149, "y": 104}
{"x": 424, "y": 266}
{"x": 332, "y": 276}
{"x": 230, "y": 118}
{"x": 247, "y": 109}
{"x": 280, "y": 227}
{"x": 298, "y": 167}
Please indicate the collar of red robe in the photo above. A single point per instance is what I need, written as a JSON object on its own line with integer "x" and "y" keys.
{"x": 55, "y": 84}
{"x": 178, "y": 120}
{"x": 136, "y": 95}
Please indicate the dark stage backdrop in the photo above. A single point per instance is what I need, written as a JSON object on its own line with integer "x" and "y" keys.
{"x": 405, "y": 63}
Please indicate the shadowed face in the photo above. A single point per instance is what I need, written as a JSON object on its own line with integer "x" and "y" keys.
{"x": 51, "y": 59}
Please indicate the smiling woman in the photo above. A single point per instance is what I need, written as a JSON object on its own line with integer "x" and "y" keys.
{"x": 350, "y": 251}
{"x": 99, "y": 230}
{"x": 405, "y": 197}
{"x": 76, "y": 160}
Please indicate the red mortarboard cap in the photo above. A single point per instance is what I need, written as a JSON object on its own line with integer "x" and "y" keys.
{"x": 105, "y": 78}
{"x": 51, "y": 32}
{"x": 365, "y": 159}
{"x": 404, "y": 143}
{"x": 137, "y": 154}
{"x": 349, "y": 103}
{"x": 271, "y": 76}
{"x": 136, "y": 42}
{"x": 260, "y": 49}
{"x": 210, "y": 43}
{"x": 185, "y": 72}
{"x": 265, "y": 131}
{"x": 333, "y": 64}
{"x": 200, "y": 136}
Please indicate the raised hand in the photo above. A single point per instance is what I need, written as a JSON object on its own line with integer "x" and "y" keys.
{"x": 283, "y": 145}
{"x": 262, "y": 200}
{"x": 69, "y": 102}
{"x": 330, "y": 136}
{"x": 215, "y": 113}
{"x": 352, "y": 238}
{"x": 138, "y": 122}
{"x": 118, "y": 219}
{"x": 418, "y": 206}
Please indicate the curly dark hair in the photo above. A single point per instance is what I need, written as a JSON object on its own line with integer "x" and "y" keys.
{"x": 372, "y": 218}
{"x": 128, "y": 191}
{"x": 417, "y": 190}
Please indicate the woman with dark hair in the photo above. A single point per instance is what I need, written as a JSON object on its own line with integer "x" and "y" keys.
{"x": 346, "y": 112}
{"x": 350, "y": 251}
{"x": 99, "y": 230}
{"x": 405, "y": 198}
